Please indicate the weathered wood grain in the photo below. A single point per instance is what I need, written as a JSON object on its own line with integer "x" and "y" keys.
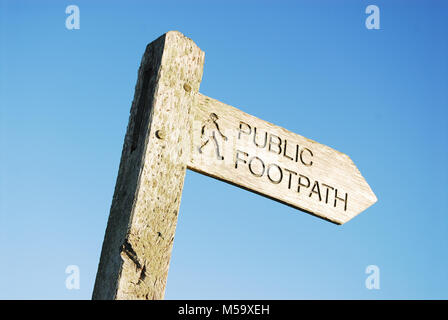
{"x": 140, "y": 231}
{"x": 282, "y": 165}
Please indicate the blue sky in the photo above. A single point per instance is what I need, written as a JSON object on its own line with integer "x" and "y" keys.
{"x": 381, "y": 96}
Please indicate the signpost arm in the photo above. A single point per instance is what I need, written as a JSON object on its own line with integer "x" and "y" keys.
{"x": 271, "y": 161}
{"x": 140, "y": 231}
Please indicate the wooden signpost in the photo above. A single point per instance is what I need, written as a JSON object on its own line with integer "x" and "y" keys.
{"x": 173, "y": 127}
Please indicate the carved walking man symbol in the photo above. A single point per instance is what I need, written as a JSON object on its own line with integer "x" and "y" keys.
{"x": 208, "y": 132}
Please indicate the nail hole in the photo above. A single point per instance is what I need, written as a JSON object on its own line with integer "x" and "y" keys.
{"x": 187, "y": 87}
{"x": 160, "y": 134}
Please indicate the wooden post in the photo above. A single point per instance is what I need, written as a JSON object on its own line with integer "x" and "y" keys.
{"x": 173, "y": 127}
{"x": 140, "y": 231}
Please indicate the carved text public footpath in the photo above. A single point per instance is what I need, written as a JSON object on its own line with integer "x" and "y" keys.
{"x": 293, "y": 178}
{"x": 249, "y": 151}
